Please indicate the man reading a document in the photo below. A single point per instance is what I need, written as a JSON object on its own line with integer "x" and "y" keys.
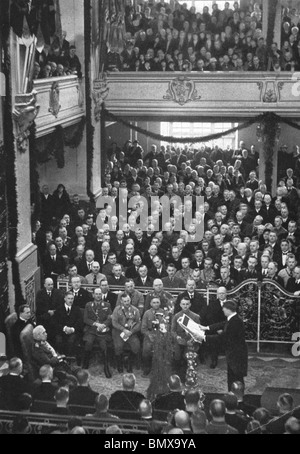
{"x": 232, "y": 338}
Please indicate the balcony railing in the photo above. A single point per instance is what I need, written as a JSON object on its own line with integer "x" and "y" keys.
{"x": 190, "y": 94}
{"x": 61, "y": 101}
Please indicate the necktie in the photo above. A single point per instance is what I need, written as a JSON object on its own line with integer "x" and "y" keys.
{"x": 191, "y": 295}
{"x": 90, "y": 266}
{"x": 49, "y": 293}
{"x": 68, "y": 310}
{"x": 53, "y": 258}
{"x": 95, "y": 279}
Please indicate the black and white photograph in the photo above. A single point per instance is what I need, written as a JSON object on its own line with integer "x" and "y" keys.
{"x": 149, "y": 219}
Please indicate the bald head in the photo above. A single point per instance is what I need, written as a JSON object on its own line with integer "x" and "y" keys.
{"x": 182, "y": 420}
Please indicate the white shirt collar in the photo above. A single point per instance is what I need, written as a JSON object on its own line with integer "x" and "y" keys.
{"x": 230, "y": 316}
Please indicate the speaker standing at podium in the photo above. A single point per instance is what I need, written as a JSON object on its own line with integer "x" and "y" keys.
{"x": 233, "y": 339}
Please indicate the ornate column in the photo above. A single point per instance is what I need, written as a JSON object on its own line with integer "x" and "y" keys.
{"x": 96, "y": 92}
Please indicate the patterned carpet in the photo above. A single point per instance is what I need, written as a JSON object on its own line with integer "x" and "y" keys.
{"x": 263, "y": 371}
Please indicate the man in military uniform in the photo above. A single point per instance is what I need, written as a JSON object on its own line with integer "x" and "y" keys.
{"x": 225, "y": 280}
{"x": 149, "y": 327}
{"x": 182, "y": 340}
{"x": 126, "y": 321}
{"x": 97, "y": 329}
{"x": 166, "y": 298}
{"x": 136, "y": 297}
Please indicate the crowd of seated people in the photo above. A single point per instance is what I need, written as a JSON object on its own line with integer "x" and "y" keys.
{"x": 57, "y": 60}
{"x": 160, "y": 38}
{"x": 179, "y": 411}
{"x": 248, "y": 234}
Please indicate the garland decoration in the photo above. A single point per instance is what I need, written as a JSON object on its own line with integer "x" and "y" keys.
{"x": 34, "y": 175}
{"x": 10, "y": 150}
{"x": 54, "y": 144}
{"x": 90, "y": 130}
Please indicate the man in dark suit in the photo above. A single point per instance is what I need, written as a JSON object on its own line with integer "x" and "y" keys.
{"x": 54, "y": 264}
{"x": 250, "y": 272}
{"x": 126, "y": 399}
{"x": 69, "y": 326}
{"x": 46, "y": 206}
{"x": 81, "y": 296}
{"x": 83, "y": 394}
{"x": 126, "y": 256}
{"x": 116, "y": 278}
{"x": 293, "y": 284}
{"x": 215, "y": 315}
{"x": 158, "y": 271}
{"x": 85, "y": 266}
{"x": 46, "y": 389}
{"x": 233, "y": 340}
{"x": 133, "y": 271}
{"x": 118, "y": 243}
{"x": 107, "y": 295}
{"x": 143, "y": 280}
{"x": 173, "y": 399}
{"x": 24, "y": 318}
{"x": 12, "y": 385}
{"x": 198, "y": 304}
{"x": 171, "y": 281}
{"x": 47, "y": 301}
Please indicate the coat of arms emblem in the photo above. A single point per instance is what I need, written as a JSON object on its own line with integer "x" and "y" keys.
{"x": 54, "y": 106}
{"x": 182, "y": 90}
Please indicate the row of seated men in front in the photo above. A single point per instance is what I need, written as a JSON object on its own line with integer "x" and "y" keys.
{"x": 124, "y": 323}
{"x": 178, "y": 411}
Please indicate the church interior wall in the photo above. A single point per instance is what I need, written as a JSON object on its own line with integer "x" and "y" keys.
{"x": 73, "y": 175}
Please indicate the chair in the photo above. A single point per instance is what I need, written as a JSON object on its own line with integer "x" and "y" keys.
{"x": 9, "y": 323}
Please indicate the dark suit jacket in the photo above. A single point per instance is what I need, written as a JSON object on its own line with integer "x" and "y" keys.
{"x": 46, "y": 209}
{"x": 131, "y": 272}
{"x": 82, "y": 268}
{"x": 123, "y": 259}
{"x": 214, "y": 313}
{"x": 113, "y": 281}
{"x": 72, "y": 320}
{"x": 83, "y": 395}
{"x": 198, "y": 304}
{"x": 155, "y": 275}
{"x": 169, "y": 401}
{"x": 234, "y": 343}
{"x": 44, "y": 303}
{"x": 44, "y": 391}
{"x": 116, "y": 247}
{"x": 148, "y": 283}
{"x": 111, "y": 299}
{"x": 125, "y": 400}
{"x": 54, "y": 269}
{"x": 11, "y": 387}
{"x": 82, "y": 298}
{"x": 292, "y": 286}
{"x": 15, "y": 332}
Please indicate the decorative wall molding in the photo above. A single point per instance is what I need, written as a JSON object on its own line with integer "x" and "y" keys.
{"x": 54, "y": 106}
{"x": 182, "y": 90}
{"x": 160, "y": 94}
{"x": 24, "y": 113}
{"x": 62, "y": 103}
